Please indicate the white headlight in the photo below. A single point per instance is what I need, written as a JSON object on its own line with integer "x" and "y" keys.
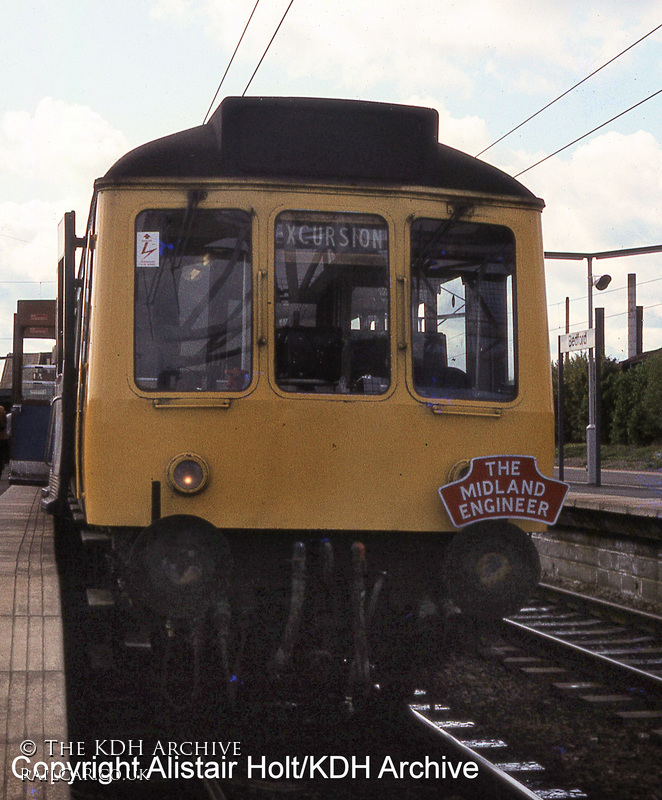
{"x": 188, "y": 473}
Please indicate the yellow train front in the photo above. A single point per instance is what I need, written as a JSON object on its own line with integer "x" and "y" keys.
{"x": 289, "y": 328}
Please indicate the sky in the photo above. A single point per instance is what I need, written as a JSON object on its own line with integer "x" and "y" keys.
{"x": 84, "y": 83}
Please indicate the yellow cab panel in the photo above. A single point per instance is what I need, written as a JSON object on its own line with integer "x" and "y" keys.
{"x": 347, "y": 438}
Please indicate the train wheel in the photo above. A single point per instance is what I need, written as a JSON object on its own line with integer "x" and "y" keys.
{"x": 490, "y": 569}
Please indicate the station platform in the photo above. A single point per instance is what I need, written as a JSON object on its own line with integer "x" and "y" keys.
{"x": 32, "y": 681}
{"x": 614, "y": 503}
{"x": 625, "y": 492}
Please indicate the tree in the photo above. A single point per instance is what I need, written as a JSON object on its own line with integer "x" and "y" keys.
{"x": 651, "y": 400}
{"x": 637, "y": 403}
{"x": 575, "y": 396}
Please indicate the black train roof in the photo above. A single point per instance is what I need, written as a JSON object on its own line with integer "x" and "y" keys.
{"x": 315, "y": 139}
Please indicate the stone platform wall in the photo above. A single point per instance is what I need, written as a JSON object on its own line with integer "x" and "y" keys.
{"x": 630, "y": 566}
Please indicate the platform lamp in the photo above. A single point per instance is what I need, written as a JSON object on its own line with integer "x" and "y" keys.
{"x": 600, "y": 282}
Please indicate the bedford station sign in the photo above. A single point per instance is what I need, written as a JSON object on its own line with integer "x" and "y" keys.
{"x": 580, "y": 340}
{"x": 503, "y": 487}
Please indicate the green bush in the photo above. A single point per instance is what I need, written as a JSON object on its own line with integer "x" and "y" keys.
{"x": 627, "y": 424}
{"x": 631, "y": 401}
{"x": 651, "y": 400}
{"x": 575, "y": 397}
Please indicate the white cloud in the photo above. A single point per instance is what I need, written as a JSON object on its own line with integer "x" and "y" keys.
{"x": 28, "y": 257}
{"x": 606, "y": 195}
{"x": 61, "y": 144}
{"x": 469, "y": 134}
{"x": 176, "y": 10}
{"x": 484, "y": 68}
{"x": 412, "y": 43}
{"x": 48, "y": 162}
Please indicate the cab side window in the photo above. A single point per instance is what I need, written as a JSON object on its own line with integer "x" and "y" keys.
{"x": 463, "y": 310}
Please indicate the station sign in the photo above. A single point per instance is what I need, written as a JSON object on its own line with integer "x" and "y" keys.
{"x": 503, "y": 487}
{"x": 35, "y": 319}
{"x": 580, "y": 340}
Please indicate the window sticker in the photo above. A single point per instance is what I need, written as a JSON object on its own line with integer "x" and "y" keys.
{"x": 147, "y": 249}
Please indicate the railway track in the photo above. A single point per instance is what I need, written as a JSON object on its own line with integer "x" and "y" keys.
{"x": 621, "y": 641}
{"x": 471, "y": 764}
{"x": 446, "y": 735}
{"x": 602, "y": 639}
{"x": 504, "y": 774}
{"x": 603, "y": 659}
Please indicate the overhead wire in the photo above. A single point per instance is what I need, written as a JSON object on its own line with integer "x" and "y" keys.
{"x": 267, "y": 47}
{"x": 227, "y": 69}
{"x": 26, "y": 241}
{"x": 588, "y": 133}
{"x": 561, "y": 327}
{"x": 604, "y": 291}
{"x": 567, "y": 91}
{"x": 607, "y": 316}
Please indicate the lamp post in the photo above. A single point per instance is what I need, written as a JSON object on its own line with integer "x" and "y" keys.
{"x": 601, "y": 282}
{"x": 592, "y": 443}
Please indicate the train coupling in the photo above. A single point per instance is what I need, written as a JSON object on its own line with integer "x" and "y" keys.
{"x": 326, "y": 629}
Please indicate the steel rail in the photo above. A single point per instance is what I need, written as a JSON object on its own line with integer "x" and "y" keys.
{"x": 652, "y": 681}
{"x": 634, "y": 614}
{"x": 516, "y": 789}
